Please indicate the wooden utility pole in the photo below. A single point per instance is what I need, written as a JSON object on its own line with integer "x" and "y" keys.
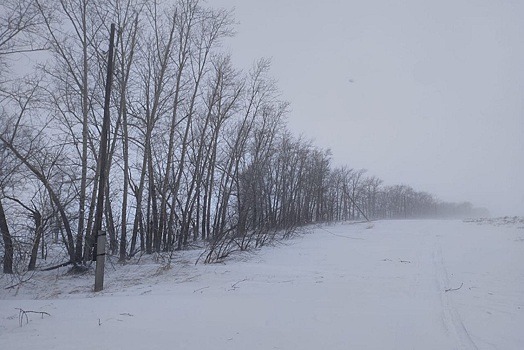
{"x": 99, "y": 250}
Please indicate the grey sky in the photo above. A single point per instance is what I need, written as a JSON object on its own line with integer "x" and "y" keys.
{"x": 426, "y": 93}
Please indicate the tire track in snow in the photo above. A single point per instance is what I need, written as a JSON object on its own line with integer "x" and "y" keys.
{"x": 450, "y": 316}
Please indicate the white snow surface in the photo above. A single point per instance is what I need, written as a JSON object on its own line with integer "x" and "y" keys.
{"x": 384, "y": 285}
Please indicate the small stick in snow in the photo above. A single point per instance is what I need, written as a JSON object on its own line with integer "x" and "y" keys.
{"x": 234, "y": 285}
{"x": 23, "y": 313}
{"x": 453, "y": 289}
{"x": 200, "y": 289}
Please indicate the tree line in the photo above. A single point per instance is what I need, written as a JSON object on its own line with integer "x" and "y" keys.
{"x": 198, "y": 149}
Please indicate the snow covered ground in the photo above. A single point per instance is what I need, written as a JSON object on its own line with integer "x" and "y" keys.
{"x": 386, "y": 285}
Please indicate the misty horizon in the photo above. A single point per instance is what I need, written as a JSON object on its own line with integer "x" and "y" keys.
{"x": 423, "y": 94}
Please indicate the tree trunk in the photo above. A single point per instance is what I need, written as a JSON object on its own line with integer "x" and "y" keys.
{"x": 8, "y": 242}
{"x": 38, "y": 235}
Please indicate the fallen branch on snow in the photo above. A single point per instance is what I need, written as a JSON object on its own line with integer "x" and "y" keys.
{"x": 200, "y": 289}
{"x": 234, "y": 285}
{"x": 57, "y": 266}
{"x": 23, "y": 313}
{"x": 453, "y": 289}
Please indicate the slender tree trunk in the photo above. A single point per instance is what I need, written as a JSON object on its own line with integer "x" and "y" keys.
{"x": 8, "y": 242}
{"x": 110, "y": 222}
{"x": 155, "y": 234}
{"x": 38, "y": 235}
{"x": 125, "y": 172}
{"x": 85, "y": 115}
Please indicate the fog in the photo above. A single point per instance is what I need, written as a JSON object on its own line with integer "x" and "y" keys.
{"x": 428, "y": 94}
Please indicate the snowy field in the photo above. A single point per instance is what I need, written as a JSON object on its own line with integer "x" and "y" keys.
{"x": 385, "y": 285}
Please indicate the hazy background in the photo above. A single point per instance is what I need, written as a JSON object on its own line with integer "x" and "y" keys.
{"x": 425, "y": 93}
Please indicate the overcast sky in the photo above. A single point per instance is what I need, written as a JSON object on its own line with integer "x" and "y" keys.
{"x": 425, "y": 93}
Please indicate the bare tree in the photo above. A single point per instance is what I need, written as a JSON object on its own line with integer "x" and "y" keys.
{"x": 4, "y": 228}
{"x": 18, "y": 24}
{"x": 127, "y": 14}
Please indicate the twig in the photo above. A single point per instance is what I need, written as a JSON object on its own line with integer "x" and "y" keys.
{"x": 110, "y": 260}
{"x": 200, "y": 289}
{"x": 453, "y": 289}
{"x": 234, "y": 285}
{"x": 23, "y": 313}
